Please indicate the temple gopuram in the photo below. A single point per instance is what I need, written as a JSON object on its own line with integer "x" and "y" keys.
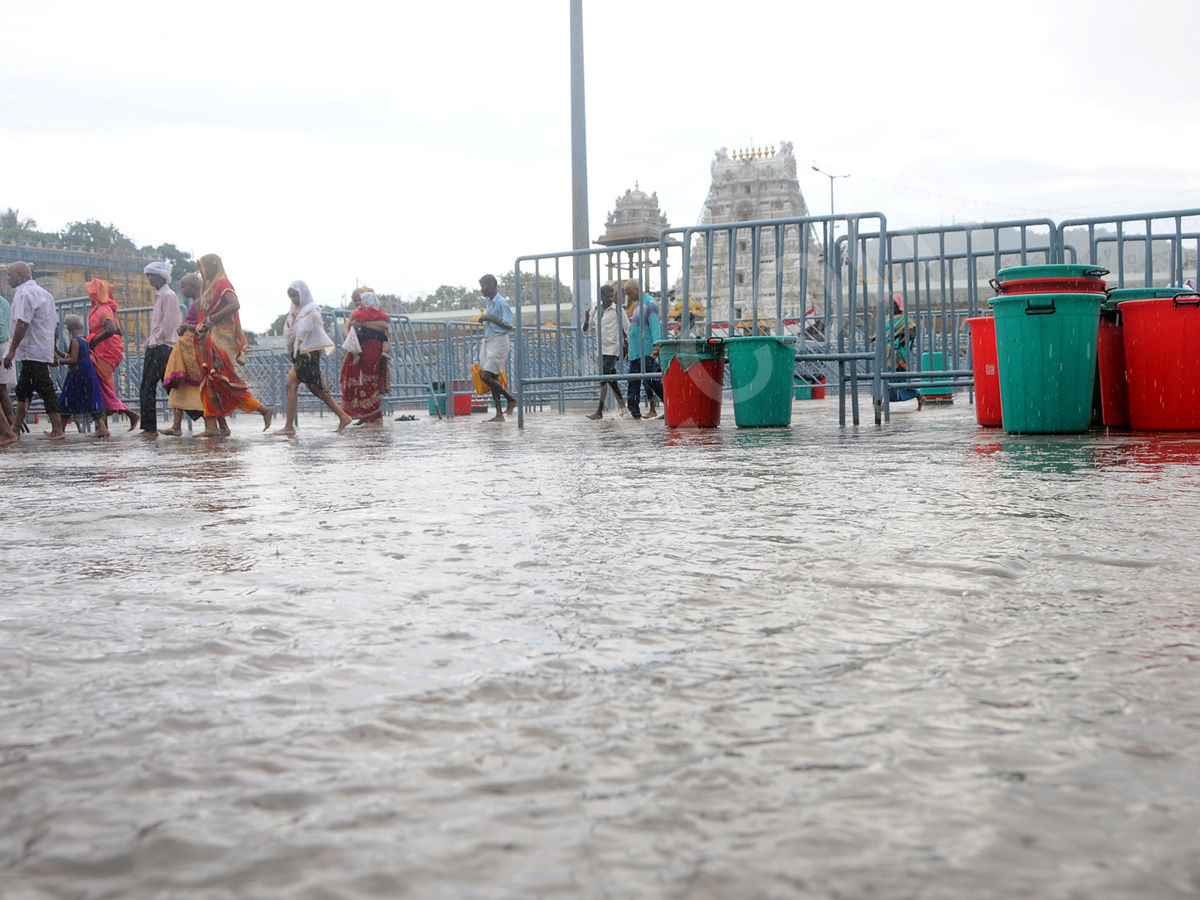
{"x": 748, "y": 185}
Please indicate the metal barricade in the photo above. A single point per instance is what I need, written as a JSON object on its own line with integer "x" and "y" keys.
{"x": 1164, "y": 243}
{"x": 827, "y": 269}
{"x": 556, "y": 361}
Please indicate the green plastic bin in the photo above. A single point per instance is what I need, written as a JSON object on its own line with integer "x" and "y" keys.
{"x": 761, "y": 369}
{"x": 932, "y": 388}
{"x": 1046, "y": 350}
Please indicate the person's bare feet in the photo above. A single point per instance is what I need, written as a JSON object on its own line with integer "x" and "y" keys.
{"x": 147, "y": 434}
{"x": 595, "y": 416}
{"x": 133, "y": 419}
{"x": 211, "y": 433}
{"x": 498, "y": 417}
{"x": 52, "y": 436}
{"x": 173, "y": 432}
{"x": 920, "y": 402}
{"x": 7, "y": 439}
{"x": 268, "y": 413}
{"x": 342, "y": 423}
{"x": 286, "y": 431}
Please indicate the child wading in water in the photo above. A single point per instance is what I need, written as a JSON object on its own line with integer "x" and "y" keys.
{"x": 306, "y": 340}
{"x": 81, "y": 392}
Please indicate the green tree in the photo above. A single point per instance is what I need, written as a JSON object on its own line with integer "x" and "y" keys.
{"x": 180, "y": 260}
{"x": 530, "y": 289}
{"x": 97, "y": 238}
{"x": 11, "y": 218}
{"x": 277, "y": 326}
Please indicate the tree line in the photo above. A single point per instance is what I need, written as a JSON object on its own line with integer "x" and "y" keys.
{"x": 91, "y": 236}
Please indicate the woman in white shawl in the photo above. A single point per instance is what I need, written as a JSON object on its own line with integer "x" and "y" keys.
{"x": 306, "y": 340}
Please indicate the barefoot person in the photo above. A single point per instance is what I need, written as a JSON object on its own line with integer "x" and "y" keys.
{"x": 221, "y": 350}
{"x": 164, "y": 328}
{"x": 107, "y": 345}
{"x": 32, "y": 345}
{"x": 645, "y": 330}
{"x": 364, "y": 375}
{"x": 306, "y": 341}
{"x": 497, "y": 319}
{"x": 614, "y": 330}
{"x": 182, "y": 380}
{"x": 81, "y": 394}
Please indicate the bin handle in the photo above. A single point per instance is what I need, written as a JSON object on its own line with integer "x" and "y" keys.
{"x": 1037, "y": 309}
{"x": 1191, "y": 302}
{"x": 995, "y": 285}
{"x": 1094, "y": 273}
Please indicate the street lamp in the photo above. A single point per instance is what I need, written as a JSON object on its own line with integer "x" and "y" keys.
{"x": 830, "y": 177}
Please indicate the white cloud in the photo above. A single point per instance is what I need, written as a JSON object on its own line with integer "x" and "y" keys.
{"x": 417, "y": 144}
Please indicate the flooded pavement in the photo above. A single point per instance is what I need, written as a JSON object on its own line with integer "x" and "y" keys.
{"x": 451, "y": 660}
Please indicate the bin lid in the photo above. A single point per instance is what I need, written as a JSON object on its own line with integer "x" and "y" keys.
{"x": 1120, "y": 295}
{"x": 1022, "y": 273}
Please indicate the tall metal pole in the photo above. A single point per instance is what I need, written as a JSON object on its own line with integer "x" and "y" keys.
{"x": 579, "y": 197}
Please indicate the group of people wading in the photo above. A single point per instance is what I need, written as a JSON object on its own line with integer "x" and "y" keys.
{"x": 198, "y": 358}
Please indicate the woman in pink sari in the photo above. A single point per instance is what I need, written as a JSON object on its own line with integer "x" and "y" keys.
{"x": 107, "y": 346}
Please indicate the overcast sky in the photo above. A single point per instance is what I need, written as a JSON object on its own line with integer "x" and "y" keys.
{"x": 409, "y": 145}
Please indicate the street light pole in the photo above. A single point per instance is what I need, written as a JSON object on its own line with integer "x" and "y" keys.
{"x": 831, "y": 178}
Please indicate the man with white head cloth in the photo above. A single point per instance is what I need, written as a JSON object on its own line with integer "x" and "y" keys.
{"x": 307, "y": 341}
{"x": 164, "y": 332}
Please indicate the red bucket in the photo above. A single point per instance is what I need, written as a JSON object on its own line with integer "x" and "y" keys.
{"x": 1161, "y": 362}
{"x": 692, "y": 398}
{"x": 986, "y": 369}
{"x": 1114, "y": 391}
{"x": 1051, "y": 286}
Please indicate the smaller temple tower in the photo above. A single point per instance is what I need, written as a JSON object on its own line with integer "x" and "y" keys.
{"x": 635, "y": 219}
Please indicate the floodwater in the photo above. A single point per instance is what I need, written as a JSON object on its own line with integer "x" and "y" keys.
{"x": 602, "y": 660}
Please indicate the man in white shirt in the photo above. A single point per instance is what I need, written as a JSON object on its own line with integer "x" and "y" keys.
{"x": 32, "y": 345}
{"x": 164, "y": 328}
{"x": 614, "y": 332}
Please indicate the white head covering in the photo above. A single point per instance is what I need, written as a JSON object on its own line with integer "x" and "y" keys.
{"x": 161, "y": 269}
{"x": 1190, "y": 284}
{"x": 369, "y": 300}
{"x": 304, "y": 330}
{"x": 301, "y": 288}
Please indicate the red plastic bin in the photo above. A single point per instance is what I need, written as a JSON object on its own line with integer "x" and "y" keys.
{"x": 985, "y": 366}
{"x": 1161, "y": 362}
{"x": 1114, "y": 390}
{"x": 693, "y": 382}
{"x": 1051, "y": 286}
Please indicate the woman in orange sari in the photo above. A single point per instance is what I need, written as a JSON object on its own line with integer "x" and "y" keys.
{"x": 364, "y": 376}
{"x": 221, "y": 350}
{"x": 108, "y": 347}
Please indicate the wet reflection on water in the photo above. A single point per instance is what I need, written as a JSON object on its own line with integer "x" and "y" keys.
{"x": 603, "y": 660}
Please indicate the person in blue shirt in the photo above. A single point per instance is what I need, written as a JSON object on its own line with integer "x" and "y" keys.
{"x": 645, "y": 328}
{"x": 497, "y": 319}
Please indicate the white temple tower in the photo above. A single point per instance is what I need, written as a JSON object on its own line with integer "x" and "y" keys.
{"x": 757, "y": 183}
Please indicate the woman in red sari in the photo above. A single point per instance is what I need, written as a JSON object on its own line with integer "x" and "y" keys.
{"x": 108, "y": 347}
{"x": 221, "y": 350}
{"x": 364, "y": 377}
